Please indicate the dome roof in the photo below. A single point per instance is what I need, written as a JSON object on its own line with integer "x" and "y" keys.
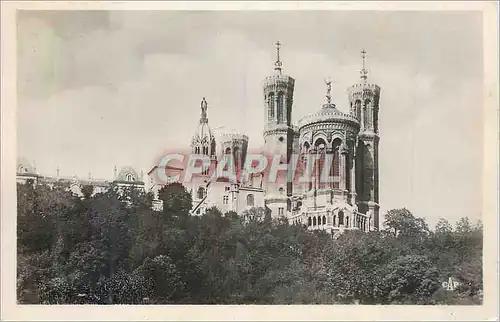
{"x": 203, "y": 134}
{"x": 23, "y": 166}
{"x": 128, "y": 174}
{"x": 328, "y": 114}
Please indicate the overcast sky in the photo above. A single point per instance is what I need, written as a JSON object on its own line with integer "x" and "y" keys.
{"x": 98, "y": 89}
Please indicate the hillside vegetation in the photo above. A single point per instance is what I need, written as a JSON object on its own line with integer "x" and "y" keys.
{"x": 112, "y": 248}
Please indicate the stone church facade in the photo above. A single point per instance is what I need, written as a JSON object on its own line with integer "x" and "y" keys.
{"x": 349, "y": 199}
{"x": 351, "y": 140}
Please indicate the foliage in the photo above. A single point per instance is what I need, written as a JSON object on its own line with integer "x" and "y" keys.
{"x": 112, "y": 247}
{"x": 404, "y": 224}
{"x": 410, "y": 279}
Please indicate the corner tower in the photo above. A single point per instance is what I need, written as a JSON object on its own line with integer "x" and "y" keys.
{"x": 364, "y": 105}
{"x": 236, "y": 144}
{"x": 278, "y": 131}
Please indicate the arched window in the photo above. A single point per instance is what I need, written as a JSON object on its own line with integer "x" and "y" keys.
{"x": 314, "y": 221}
{"x": 281, "y": 190}
{"x": 305, "y": 156}
{"x": 309, "y": 221}
{"x": 324, "y": 220}
{"x": 250, "y": 200}
{"x": 368, "y": 114}
{"x": 205, "y": 150}
{"x": 270, "y": 103}
{"x": 280, "y": 108}
{"x": 367, "y": 172}
{"x": 212, "y": 147}
{"x": 129, "y": 177}
{"x": 357, "y": 109}
{"x": 319, "y": 220}
{"x": 237, "y": 157}
{"x": 201, "y": 193}
{"x": 347, "y": 221}
{"x": 228, "y": 150}
{"x": 334, "y": 220}
{"x": 320, "y": 146}
{"x": 305, "y": 149}
{"x": 341, "y": 218}
{"x": 335, "y": 171}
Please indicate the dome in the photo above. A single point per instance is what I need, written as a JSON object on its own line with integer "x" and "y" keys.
{"x": 203, "y": 140}
{"x": 328, "y": 114}
{"x": 128, "y": 174}
{"x": 23, "y": 166}
{"x": 203, "y": 134}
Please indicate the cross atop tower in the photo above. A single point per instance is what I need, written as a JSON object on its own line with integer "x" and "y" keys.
{"x": 363, "y": 71}
{"x": 278, "y": 63}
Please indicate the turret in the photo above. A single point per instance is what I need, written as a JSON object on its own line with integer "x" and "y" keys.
{"x": 278, "y": 101}
{"x": 364, "y": 105}
{"x": 235, "y": 144}
{"x": 279, "y": 133}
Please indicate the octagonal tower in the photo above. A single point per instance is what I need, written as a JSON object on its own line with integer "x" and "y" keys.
{"x": 279, "y": 133}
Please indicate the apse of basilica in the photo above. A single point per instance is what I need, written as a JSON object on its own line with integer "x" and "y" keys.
{"x": 348, "y": 200}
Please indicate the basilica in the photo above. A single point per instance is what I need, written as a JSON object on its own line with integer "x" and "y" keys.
{"x": 349, "y": 200}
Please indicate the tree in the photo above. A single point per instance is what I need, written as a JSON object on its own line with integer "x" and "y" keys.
{"x": 355, "y": 267}
{"x": 403, "y": 224}
{"x": 463, "y": 225}
{"x": 42, "y": 211}
{"x": 87, "y": 191}
{"x": 177, "y": 201}
{"x": 410, "y": 279}
{"x": 443, "y": 226}
{"x": 161, "y": 279}
{"x": 112, "y": 247}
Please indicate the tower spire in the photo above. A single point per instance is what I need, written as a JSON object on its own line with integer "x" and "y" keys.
{"x": 278, "y": 63}
{"x": 363, "y": 71}
{"x": 203, "y": 118}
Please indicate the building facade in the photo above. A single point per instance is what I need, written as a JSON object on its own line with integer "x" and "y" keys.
{"x": 348, "y": 200}
{"x": 126, "y": 177}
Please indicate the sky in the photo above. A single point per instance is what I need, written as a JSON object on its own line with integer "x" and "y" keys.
{"x": 103, "y": 88}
